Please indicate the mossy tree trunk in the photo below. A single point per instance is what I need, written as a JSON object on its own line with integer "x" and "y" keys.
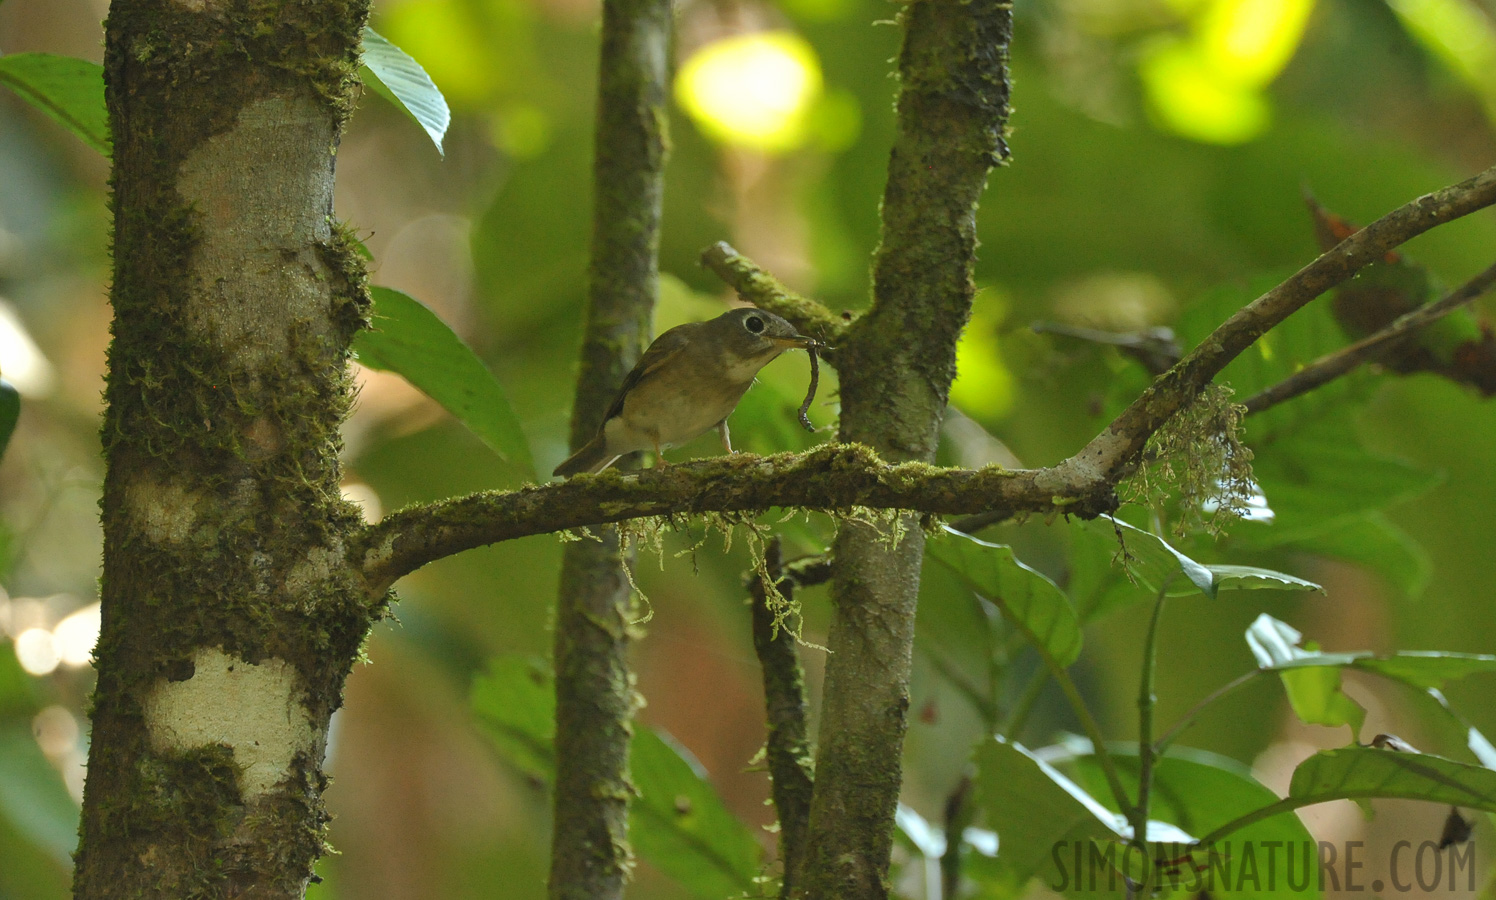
{"x": 230, "y": 618}
{"x": 595, "y": 697}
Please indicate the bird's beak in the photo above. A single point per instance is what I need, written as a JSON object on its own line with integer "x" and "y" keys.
{"x": 798, "y": 342}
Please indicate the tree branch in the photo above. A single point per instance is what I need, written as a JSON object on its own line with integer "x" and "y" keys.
{"x": 595, "y": 700}
{"x": 787, "y": 748}
{"x": 831, "y": 478}
{"x": 1112, "y": 453}
{"x": 1333, "y": 365}
{"x": 763, "y": 290}
{"x": 837, "y": 477}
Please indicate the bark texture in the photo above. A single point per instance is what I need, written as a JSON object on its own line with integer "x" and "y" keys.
{"x": 595, "y": 698}
{"x": 896, "y": 365}
{"x": 229, "y": 616}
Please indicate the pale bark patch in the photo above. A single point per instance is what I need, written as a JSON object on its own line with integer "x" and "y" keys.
{"x": 164, "y": 513}
{"x": 262, "y": 214}
{"x": 251, "y": 709}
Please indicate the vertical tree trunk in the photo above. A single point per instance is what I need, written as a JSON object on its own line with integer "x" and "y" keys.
{"x": 229, "y": 619}
{"x": 896, "y": 366}
{"x": 595, "y": 698}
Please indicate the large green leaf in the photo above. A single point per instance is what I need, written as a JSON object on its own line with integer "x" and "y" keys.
{"x": 398, "y": 78}
{"x": 69, "y": 90}
{"x": 1031, "y": 600}
{"x": 1035, "y": 809}
{"x": 10, "y": 413}
{"x": 1361, "y": 773}
{"x": 411, "y": 340}
{"x": 678, "y": 822}
{"x": 515, "y": 704}
{"x": 33, "y": 797}
{"x": 1153, "y": 562}
{"x": 1199, "y": 792}
{"x": 1369, "y": 539}
{"x": 1312, "y": 678}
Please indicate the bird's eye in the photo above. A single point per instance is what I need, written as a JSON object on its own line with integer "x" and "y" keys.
{"x": 754, "y": 324}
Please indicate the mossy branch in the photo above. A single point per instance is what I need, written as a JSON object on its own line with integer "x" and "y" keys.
{"x": 595, "y": 700}
{"x": 756, "y": 286}
{"x": 787, "y": 747}
{"x": 839, "y": 476}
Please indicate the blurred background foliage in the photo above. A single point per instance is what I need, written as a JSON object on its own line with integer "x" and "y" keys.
{"x": 1161, "y": 149}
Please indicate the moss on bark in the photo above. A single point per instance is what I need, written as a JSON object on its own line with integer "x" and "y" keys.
{"x": 223, "y": 522}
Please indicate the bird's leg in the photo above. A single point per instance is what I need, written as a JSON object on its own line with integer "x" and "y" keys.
{"x": 726, "y": 437}
{"x": 660, "y": 459}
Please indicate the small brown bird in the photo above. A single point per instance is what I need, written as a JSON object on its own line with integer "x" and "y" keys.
{"x": 687, "y": 382}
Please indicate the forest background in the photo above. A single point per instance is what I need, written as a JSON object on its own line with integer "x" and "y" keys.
{"x": 1161, "y": 149}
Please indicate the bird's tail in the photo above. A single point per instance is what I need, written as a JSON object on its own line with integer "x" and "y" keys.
{"x": 593, "y": 457}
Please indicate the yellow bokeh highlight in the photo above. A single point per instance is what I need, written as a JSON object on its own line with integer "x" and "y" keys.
{"x": 1191, "y": 99}
{"x": 983, "y": 388}
{"x": 1250, "y": 41}
{"x": 752, "y": 90}
{"x": 1210, "y": 85}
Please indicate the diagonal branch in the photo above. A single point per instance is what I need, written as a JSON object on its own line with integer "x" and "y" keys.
{"x": 1333, "y": 365}
{"x": 838, "y": 476}
{"x": 1111, "y": 454}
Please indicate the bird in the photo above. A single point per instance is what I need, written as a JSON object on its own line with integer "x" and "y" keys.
{"x": 687, "y": 382}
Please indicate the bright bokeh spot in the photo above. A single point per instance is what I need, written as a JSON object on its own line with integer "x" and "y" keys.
{"x": 752, "y": 90}
{"x": 35, "y": 651}
{"x": 984, "y": 387}
{"x": 1250, "y": 41}
{"x": 1210, "y": 86}
{"x": 1189, "y": 97}
{"x": 75, "y": 636}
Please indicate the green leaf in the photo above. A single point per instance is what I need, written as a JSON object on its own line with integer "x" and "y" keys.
{"x": 10, "y": 412}
{"x": 1427, "y": 669}
{"x": 1360, "y": 773}
{"x": 1199, "y": 792}
{"x": 1035, "y": 809}
{"x": 515, "y": 703}
{"x": 69, "y": 90}
{"x": 1153, "y": 562}
{"x": 1320, "y": 473}
{"x": 394, "y": 75}
{"x": 679, "y": 824}
{"x": 1311, "y": 679}
{"x": 1025, "y": 596}
{"x": 1369, "y": 540}
{"x": 409, "y": 339}
{"x": 33, "y": 796}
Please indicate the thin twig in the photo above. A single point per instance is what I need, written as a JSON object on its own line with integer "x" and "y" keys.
{"x": 1188, "y": 719}
{"x": 1333, "y": 365}
{"x": 763, "y": 290}
{"x": 787, "y": 748}
{"x": 1146, "y": 703}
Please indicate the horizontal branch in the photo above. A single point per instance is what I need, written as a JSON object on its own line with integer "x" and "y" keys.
{"x": 838, "y": 477}
{"x": 1333, "y": 365}
{"x": 832, "y": 478}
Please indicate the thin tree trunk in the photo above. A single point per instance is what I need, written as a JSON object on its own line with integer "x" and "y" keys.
{"x": 896, "y": 365}
{"x": 229, "y": 618}
{"x": 595, "y": 698}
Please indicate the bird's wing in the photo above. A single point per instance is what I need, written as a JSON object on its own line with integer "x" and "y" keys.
{"x": 665, "y": 347}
